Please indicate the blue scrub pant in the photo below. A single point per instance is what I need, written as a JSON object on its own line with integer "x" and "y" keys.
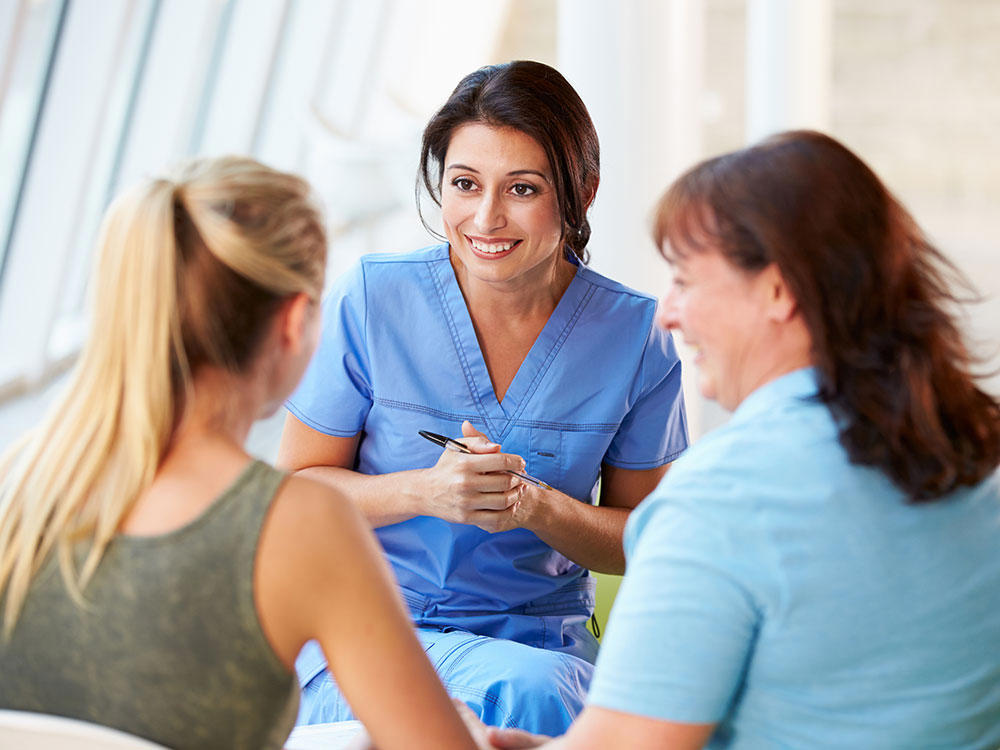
{"x": 507, "y": 683}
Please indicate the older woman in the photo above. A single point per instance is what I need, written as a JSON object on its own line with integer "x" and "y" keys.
{"x": 503, "y": 332}
{"x": 823, "y": 570}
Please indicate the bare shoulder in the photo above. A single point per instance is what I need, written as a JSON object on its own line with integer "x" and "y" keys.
{"x": 310, "y": 507}
{"x": 312, "y": 541}
{"x": 312, "y": 537}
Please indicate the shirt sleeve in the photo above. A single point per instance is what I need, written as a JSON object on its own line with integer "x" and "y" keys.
{"x": 654, "y": 431}
{"x": 684, "y": 622}
{"x": 335, "y": 394}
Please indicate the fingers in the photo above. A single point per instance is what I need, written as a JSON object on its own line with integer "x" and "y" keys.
{"x": 494, "y": 521}
{"x": 514, "y": 739}
{"x": 494, "y": 482}
{"x": 480, "y": 444}
{"x": 494, "y": 462}
{"x": 469, "y": 431}
{"x": 477, "y": 441}
{"x": 494, "y": 501}
{"x": 473, "y": 723}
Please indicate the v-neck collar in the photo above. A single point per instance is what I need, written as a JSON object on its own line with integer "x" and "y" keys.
{"x": 499, "y": 416}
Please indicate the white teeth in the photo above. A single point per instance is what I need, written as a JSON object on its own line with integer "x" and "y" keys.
{"x": 491, "y": 247}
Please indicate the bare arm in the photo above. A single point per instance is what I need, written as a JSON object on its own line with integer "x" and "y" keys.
{"x": 598, "y": 728}
{"x": 455, "y": 487}
{"x": 320, "y": 574}
{"x": 590, "y": 535}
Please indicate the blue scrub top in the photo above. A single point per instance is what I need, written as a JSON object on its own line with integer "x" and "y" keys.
{"x": 398, "y": 354}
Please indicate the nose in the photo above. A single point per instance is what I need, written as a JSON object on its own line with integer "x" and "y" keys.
{"x": 489, "y": 213}
{"x": 666, "y": 312}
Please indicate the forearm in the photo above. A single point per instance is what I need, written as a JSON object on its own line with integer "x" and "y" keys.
{"x": 590, "y": 536}
{"x": 383, "y": 499}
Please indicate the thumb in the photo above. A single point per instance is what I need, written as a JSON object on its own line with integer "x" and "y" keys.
{"x": 476, "y": 440}
{"x": 469, "y": 431}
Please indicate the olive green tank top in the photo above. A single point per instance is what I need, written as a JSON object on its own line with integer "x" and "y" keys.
{"x": 169, "y": 646}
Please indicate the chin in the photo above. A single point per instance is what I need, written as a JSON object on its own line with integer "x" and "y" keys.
{"x": 707, "y": 389}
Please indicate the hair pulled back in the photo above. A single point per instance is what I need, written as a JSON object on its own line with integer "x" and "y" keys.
{"x": 872, "y": 290}
{"x": 191, "y": 269}
{"x": 537, "y": 100}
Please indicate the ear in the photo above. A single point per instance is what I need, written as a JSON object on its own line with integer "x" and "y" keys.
{"x": 781, "y": 303}
{"x": 293, "y": 322}
{"x": 591, "y": 193}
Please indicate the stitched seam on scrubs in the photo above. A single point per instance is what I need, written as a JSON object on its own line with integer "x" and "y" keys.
{"x": 460, "y": 655}
{"x": 458, "y": 688}
{"x": 610, "y": 427}
{"x": 416, "y": 602}
{"x": 544, "y": 368}
{"x": 453, "y": 330}
{"x": 616, "y": 287}
{"x": 364, "y": 322}
{"x": 666, "y": 458}
{"x": 319, "y": 426}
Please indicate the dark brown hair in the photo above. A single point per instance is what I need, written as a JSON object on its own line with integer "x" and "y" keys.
{"x": 535, "y": 99}
{"x": 872, "y": 290}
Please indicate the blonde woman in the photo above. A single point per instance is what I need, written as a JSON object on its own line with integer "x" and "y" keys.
{"x": 153, "y": 576}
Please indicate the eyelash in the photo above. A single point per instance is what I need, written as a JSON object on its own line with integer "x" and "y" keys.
{"x": 465, "y": 185}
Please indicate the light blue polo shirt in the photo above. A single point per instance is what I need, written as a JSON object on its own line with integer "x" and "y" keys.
{"x": 798, "y": 601}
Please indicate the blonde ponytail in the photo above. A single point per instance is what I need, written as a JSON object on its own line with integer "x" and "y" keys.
{"x": 252, "y": 231}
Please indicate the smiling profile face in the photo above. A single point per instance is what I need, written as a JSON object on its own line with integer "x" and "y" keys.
{"x": 721, "y": 312}
{"x": 499, "y": 205}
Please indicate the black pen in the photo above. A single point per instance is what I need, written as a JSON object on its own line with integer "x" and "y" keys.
{"x": 454, "y": 445}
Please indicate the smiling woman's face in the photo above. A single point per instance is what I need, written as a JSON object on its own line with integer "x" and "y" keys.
{"x": 721, "y": 312}
{"x": 499, "y": 204}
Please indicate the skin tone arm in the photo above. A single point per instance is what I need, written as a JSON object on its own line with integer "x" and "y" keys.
{"x": 458, "y": 489}
{"x": 320, "y": 574}
{"x": 455, "y": 487}
{"x": 599, "y": 728}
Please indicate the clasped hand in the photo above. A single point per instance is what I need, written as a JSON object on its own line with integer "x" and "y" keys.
{"x": 472, "y": 487}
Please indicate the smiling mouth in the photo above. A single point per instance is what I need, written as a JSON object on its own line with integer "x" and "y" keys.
{"x": 492, "y": 248}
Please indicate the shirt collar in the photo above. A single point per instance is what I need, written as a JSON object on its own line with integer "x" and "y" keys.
{"x": 798, "y": 384}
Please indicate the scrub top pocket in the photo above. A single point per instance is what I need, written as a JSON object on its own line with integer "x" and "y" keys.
{"x": 545, "y": 455}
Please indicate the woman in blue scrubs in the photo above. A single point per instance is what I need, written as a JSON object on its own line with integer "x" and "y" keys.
{"x": 503, "y": 338}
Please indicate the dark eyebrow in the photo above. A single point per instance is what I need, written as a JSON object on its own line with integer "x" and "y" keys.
{"x": 530, "y": 171}
{"x": 467, "y": 168}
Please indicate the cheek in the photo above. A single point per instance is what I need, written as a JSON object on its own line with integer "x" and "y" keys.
{"x": 451, "y": 212}
{"x": 544, "y": 222}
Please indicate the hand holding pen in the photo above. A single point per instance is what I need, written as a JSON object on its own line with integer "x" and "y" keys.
{"x": 474, "y": 483}
{"x": 456, "y": 445}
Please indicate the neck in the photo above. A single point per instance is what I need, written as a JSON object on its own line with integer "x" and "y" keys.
{"x": 529, "y": 295}
{"x": 220, "y": 406}
{"x": 788, "y": 351}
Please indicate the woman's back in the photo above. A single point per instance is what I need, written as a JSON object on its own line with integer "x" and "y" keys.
{"x": 828, "y": 611}
{"x": 169, "y": 646}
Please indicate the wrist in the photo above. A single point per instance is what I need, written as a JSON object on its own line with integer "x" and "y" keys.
{"x": 414, "y": 491}
{"x": 538, "y": 509}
